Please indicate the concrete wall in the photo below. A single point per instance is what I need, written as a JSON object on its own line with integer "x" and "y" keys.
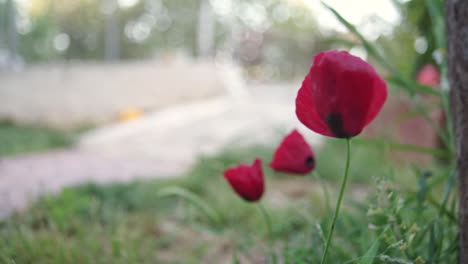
{"x": 74, "y": 94}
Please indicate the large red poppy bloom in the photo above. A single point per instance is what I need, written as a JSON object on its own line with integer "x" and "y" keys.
{"x": 247, "y": 180}
{"x": 293, "y": 155}
{"x": 340, "y": 95}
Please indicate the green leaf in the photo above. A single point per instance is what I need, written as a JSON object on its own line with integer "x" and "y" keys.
{"x": 236, "y": 260}
{"x": 398, "y": 79}
{"x": 436, "y": 8}
{"x": 403, "y": 147}
{"x": 394, "y": 81}
{"x": 192, "y": 198}
{"x": 451, "y": 180}
{"x": 371, "y": 253}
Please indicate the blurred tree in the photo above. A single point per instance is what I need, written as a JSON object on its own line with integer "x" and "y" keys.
{"x": 112, "y": 30}
{"x": 457, "y": 18}
{"x": 2, "y": 26}
{"x": 12, "y": 37}
{"x": 269, "y": 37}
{"x": 206, "y": 28}
{"x": 273, "y": 36}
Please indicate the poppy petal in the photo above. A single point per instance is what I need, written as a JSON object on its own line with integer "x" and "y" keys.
{"x": 345, "y": 93}
{"x": 293, "y": 155}
{"x": 380, "y": 96}
{"x": 306, "y": 111}
{"x": 247, "y": 180}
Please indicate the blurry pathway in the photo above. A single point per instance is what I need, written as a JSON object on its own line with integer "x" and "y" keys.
{"x": 161, "y": 144}
{"x": 24, "y": 178}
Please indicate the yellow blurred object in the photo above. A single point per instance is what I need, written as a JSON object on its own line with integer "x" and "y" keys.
{"x": 130, "y": 113}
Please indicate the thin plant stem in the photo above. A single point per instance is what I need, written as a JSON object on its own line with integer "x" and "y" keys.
{"x": 267, "y": 219}
{"x": 324, "y": 189}
{"x": 447, "y": 111}
{"x": 338, "y": 204}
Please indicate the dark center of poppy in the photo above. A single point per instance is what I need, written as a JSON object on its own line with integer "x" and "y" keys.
{"x": 310, "y": 162}
{"x": 335, "y": 123}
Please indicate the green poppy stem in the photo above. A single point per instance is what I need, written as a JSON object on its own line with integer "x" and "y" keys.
{"x": 323, "y": 184}
{"x": 338, "y": 204}
{"x": 267, "y": 219}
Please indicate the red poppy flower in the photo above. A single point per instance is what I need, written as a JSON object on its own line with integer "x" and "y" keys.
{"x": 340, "y": 95}
{"x": 429, "y": 76}
{"x": 293, "y": 155}
{"x": 247, "y": 181}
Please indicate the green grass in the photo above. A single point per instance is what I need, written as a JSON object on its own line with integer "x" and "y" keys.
{"x": 25, "y": 139}
{"x": 132, "y": 223}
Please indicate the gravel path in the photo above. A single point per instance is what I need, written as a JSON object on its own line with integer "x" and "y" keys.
{"x": 24, "y": 178}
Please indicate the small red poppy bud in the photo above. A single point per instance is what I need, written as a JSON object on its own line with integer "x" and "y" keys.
{"x": 429, "y": 76}
{"x": 293, "y": 155}
{"x": 247, "y": 181}
{"x": 340, "y": 95}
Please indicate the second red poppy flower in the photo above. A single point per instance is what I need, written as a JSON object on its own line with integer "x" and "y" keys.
{"x": 247, "y": 180}
{"x": 293, "y": 155}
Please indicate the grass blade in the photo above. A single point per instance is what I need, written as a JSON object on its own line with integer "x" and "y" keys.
{"x": 371, "y": 253}
{"x": 410, "y": 86}
{"x": 403, "y": 147}
{"x": 435, "y": 8}
{"x": 192, "y": 198}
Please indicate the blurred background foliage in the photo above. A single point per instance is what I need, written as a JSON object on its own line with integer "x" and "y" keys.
{"x": 263, "y": 32}
{"x": 268, "y": 37}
